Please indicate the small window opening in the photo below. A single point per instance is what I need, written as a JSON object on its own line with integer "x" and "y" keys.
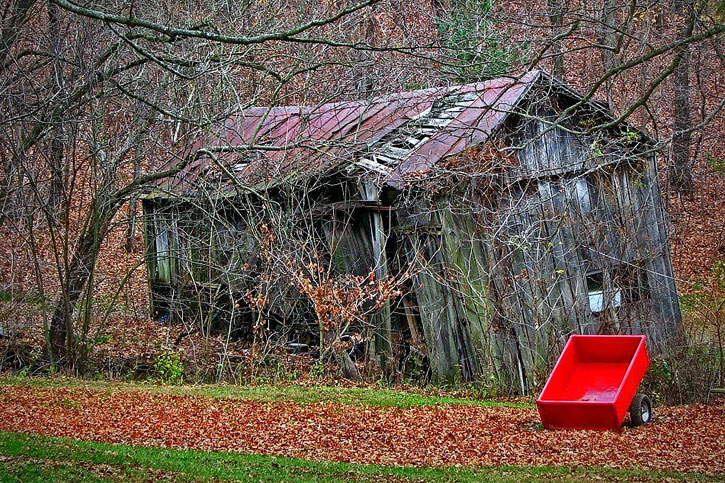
{"x": 163, "y": 256}
{"x": 599, "y": 298}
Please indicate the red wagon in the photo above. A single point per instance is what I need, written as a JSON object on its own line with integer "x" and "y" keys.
{"x": 594, "y": 384}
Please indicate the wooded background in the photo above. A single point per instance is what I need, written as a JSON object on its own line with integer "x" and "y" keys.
{"x": 96, "y": 97}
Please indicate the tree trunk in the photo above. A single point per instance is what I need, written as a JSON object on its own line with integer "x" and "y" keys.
{"x": 330, "y": 341}
{"x": 439, "y": 8}
{"x": 8, "y": 179}
{"x": 680, "y": 168}
{"x": 556, "y": 17}
{"x": 608, "y": 38}
{"x": 131, "y": 243}
{"x": 12, "y": 24}
{"x": 83, "y": 262}
{"x": 348, "y": 367}
{"x": 57, "y": 89}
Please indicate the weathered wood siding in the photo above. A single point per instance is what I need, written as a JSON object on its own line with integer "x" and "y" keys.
{"x": 578, "y": 245}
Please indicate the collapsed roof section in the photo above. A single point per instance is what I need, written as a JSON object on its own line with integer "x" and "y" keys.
{"x": 396, "y": 136}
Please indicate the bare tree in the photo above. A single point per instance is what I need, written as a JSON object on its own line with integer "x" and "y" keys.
{"x": 106, "y": 66}
{"x": 680, "y": 167}
{"x": 88, "y": 119}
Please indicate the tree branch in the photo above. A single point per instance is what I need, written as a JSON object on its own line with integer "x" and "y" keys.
{"x": 175, "y": 32}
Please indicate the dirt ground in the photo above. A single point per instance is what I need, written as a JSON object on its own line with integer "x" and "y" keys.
{"x": 684, "y": 438}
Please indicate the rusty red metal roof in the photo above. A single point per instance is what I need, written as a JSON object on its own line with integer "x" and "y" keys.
{"x": 396, "y": 135}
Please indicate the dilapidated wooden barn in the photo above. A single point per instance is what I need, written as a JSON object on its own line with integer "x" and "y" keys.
{"x": 507, "y": 214}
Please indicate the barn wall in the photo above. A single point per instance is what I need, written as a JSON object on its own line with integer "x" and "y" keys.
{"x": 591, "y": 211}
{"x": 450, "y": 286}
{"x": 498, "y": 285}
{"x": 578, "y": 245}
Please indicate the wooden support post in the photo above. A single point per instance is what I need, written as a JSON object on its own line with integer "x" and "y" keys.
{"x": 382, "y": 349}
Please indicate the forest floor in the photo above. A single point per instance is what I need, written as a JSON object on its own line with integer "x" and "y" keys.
{"x": 353, "y": 426}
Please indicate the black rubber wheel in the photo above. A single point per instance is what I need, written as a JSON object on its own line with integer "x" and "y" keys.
{"x": 640, "y": 411}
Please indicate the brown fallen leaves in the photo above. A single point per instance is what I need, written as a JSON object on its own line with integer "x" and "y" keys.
{"x": 684, "y": 438}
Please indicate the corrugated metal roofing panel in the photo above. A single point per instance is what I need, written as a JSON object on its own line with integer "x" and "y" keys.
{"x": 472, "y": 125}
{"x": 410, "y": 132}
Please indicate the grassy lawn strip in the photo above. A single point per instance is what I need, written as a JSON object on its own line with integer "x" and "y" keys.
{"x": 40, "y": 458}
{"x": 266, "y": 392}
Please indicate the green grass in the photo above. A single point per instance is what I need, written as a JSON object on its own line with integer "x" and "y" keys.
{"x": 7, "y": 296}
{"x": 267, "y": 393}
{"x": 40, "y": 458}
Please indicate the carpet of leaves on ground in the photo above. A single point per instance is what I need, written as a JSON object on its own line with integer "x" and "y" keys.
{"x": 684, "y": 438}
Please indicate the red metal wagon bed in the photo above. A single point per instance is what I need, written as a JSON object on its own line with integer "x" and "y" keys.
{"x": 594, "y": 384}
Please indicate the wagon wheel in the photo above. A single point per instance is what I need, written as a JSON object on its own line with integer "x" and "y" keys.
{"x": 640, "y": 411}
